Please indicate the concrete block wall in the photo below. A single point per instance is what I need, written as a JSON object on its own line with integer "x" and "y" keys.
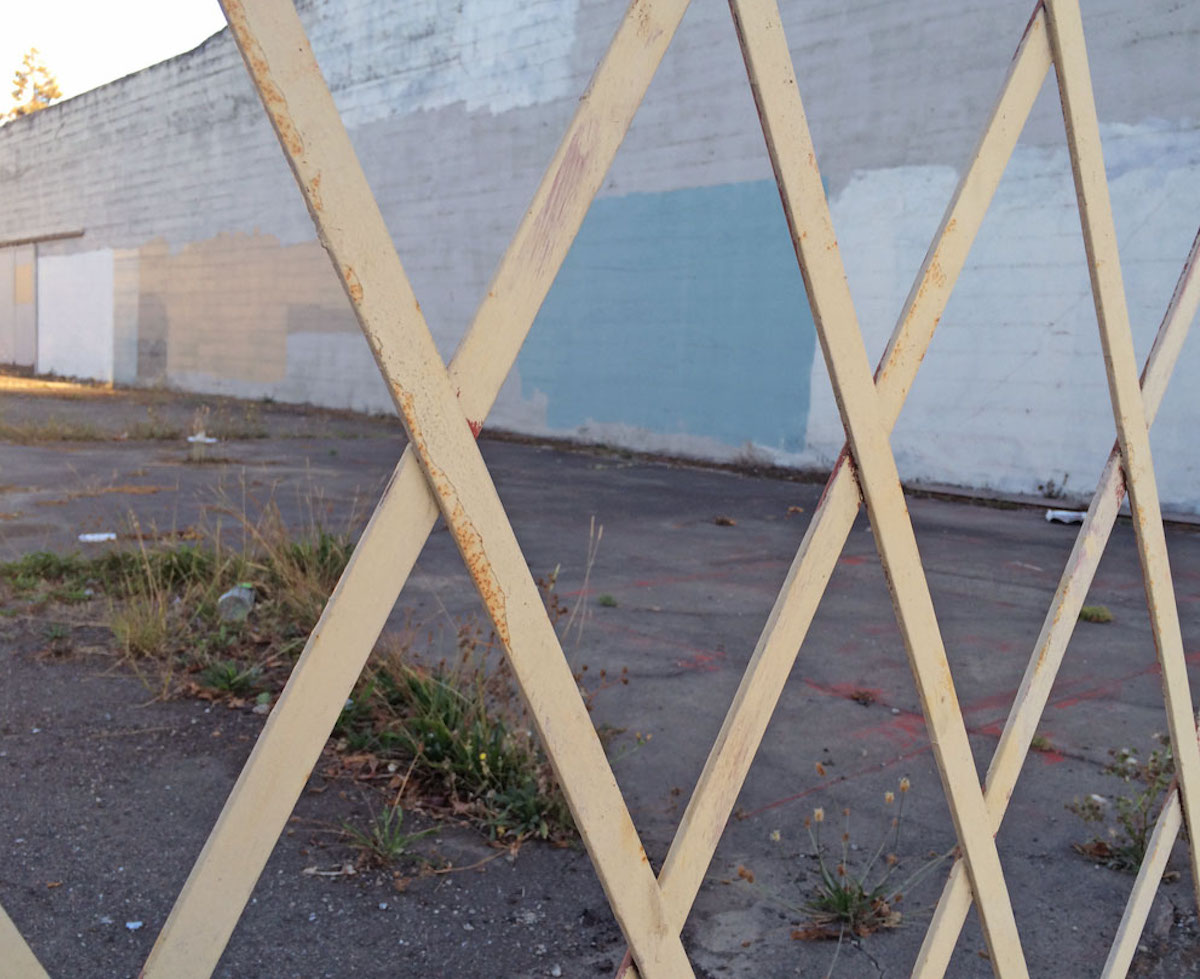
{"x": 679, "y": 322}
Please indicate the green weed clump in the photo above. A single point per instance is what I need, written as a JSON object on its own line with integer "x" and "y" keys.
{"x": 857, "y": 892}
{"x": 163, "y": 601}
{"x": 455, "y": 721}
{"x": 42, "y": 576}
{"x": 861, "y": 900}
{"x": 384, "y": 841}
{"x": 1100, "y": 614}
{"x": 462, "y": 731}
{"x": 1127, "y": 820}
{"x": 48, "y": 430}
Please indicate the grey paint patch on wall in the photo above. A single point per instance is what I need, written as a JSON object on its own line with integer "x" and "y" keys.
{"x": 679, "y": 312}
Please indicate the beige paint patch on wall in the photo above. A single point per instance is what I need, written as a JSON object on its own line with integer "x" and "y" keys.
{"x": 223, "y": 306}
{"x": 23, "y": 284}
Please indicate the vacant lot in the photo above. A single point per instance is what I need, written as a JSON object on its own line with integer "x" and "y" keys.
{"x": 118, "y": 746}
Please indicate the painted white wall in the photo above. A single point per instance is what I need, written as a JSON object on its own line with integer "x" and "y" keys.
{"x": 336, "y": 370}
{"x": 75, "y": 315}
{"x": 1012, "y": 395}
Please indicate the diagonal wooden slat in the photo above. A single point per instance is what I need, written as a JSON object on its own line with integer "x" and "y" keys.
{"x": 353, "y": 232}
{"x": 1104, "y": 266}
{"x": 1059, "y": 624}
{"x": 220, "y": 883}
{"x": 16, "y": 957}
{"x": 807, "y": 209}
{"x": 792, "y": 614}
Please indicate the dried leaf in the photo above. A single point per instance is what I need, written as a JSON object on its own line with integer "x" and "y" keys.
{"x": 816, "y": 933}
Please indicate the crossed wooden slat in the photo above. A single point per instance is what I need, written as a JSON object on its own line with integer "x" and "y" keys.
{"x": 1051, "y": 645}
{"x": 810, "y": 572}
{"x": 452, "y": 477}
{"x": 442, "y": 471}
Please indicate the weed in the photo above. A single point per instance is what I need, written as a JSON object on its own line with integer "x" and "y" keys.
{"x": 42, "y": 576}
{"x": 154, "y": 428}
{"x": 58, "y": 637}
{"x": 463, "y": 731}
{"x": 859, "y": 903}
{"x": 457, "y": 721}
{"x": 301, "y": 572}
{"x": 1123, "y": 845}
{"x": 1040, "y": 743}
{"x": 849, "y": 901}
{"x": 384, "y": 841}
{"x": 606, "y": 601}
{"x": 570, "y": 622}
{"x": 42, "y": 565}
{"x": 49, "y": 430}
{"x": 226, "y": 676}
{"x": 226, "y": 426}
{"x": 1095, "y": 613}
{"x": 162, "y": 602}
{"x": 639, "y": 741}
{"x": 1051, "y": 489}
{"x": 140, "y": 626}
{"x": 25, "y": 582}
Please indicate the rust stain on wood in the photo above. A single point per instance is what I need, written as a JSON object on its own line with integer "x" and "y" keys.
{"x": 260, "y": 68}
{"x": 466, "y": 536}
{"x": 353, "y": 286}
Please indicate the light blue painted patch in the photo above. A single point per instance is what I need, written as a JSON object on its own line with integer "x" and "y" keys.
{"x": 679, "y": 312}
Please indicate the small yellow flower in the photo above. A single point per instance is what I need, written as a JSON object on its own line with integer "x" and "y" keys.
{"x": 905, "y": 785}
{"x": 889, "y": 797}
{"x": 818, "y": 815}
{"x": 483, "y": 756}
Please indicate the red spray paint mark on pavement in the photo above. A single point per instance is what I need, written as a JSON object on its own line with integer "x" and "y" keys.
{"x": 703, "y": 662}
{"x": 905, "y": 731}
{"x": 476, "y": 427}
{"x": 848, "y": 691}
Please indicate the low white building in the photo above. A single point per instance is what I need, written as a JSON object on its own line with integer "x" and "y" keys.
{"x": 151, "y": 233}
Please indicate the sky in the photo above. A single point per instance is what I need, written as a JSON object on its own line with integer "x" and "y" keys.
{"x": 86, "y": 43}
